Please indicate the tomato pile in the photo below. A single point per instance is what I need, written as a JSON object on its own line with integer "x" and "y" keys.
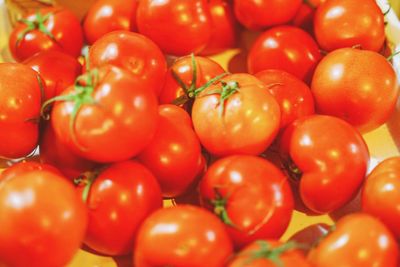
{"x": 105, "y": 118}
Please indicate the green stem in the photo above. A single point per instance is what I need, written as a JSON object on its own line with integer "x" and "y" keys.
{"x": 219, "y": 204}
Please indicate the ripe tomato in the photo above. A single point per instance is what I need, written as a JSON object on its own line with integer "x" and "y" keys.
{"x": 304, "y": 17}
{"x": 118, "y": 201}
{"x": 43, "y": 220}
{"x": 358, "y": 86}
{"x": 250, "y": 195}
{"x": 311, "y": 235}
{"x": 21, "y": 168}
{"x": 105, "y": 16}
{"x": 260, "y": 14}
{"x": 58, "y": 70}
{"x": 46, "y": 29}
{"x": 182, "y": 236}
{"x": 132, "y": 52}
{"x": 348, "y": 23}
{"x": 293, "y": 96}
{"x": 178, "y": 27}
{"x": 328, "y": 157}
{"x": 359, "y": 240}
{"x": 237, "y": 115}
{"x": 381, "y": 194}
{"x": 286, "y": 48}
{"x": 20, "y": 101}
{"x": 110, "y": 115}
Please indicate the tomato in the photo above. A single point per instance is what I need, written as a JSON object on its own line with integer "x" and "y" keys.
{"x": 293, "y": 96}
{"x": 52, "y": 28}
{"x": 58, "y": 70}
{"x": 358, "y": 86}
{"x": 381, "y": 194}
{"x": 309, "y": 236}
{"x": 286, "y": 48}
{"x": 185, "y": 236}
{"x": 174, "y": 155}
{"x": 237, "y": 115}
{"x": 327, "y": 157}
{"x": 348, "y": 23}
{"x": 359, "y": 240}
{"x": 269, "y": 253}
{"x": 178, "y": 27}
{"x": 43, "y": 220}
{"x": 304, "y": 17}
{"x": 110, "y": 115}
{"x": 21, "y": 168}
{"x": 119, "y": 199}
{"x": 260, "y": 14}
{"x": 105, "y": 16}
{"x": 20, "y": 101}
{"x": 250, "y": 195}
{"x": 132, "y": 52}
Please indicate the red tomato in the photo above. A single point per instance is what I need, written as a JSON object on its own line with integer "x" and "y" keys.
{"x": 115, "y": 115}
{"x": 293, "y": 96}
{"x": 358, "y": 86}
{"x": 348, "y": 23}
{"x": 309, "y": 236}
{"x": 269, "y": 253}
{"x": 359, "y": 240}
{"x": 175, "y": 115}
{"x": 105, "y": 16}
{"x": 237, "y": 115}
{"x": 182, "y": 236}
{"x": 20, "y": 100}
{"x": 381, "y": 194}
{"x": 328, "y": 156}
{"x": 21, "y": 168}
{"x": 132, "y": 52}
{"x": 250, "y": 195}
{"x": 174, "y": 155}
{"x": 286, "y": 48}
{"x": 119, "y": 199}
{"x": 58, "y": 70}
{"x": 46, "y": 29}
{"x": 43, "y": 220}
{"x": 260, "y": 14}
{"x": 304, "y": 17}
{"x": 178, "y": 27}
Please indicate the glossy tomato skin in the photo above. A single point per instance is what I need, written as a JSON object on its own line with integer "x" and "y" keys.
{"x": 348, "y": 23}
{"x": 177, "y": 31}
{"x": 286, "y": 48}
{"x": 20, "y": 103}
{"x": 358, "y": 86}
{"x": 229, "y": 128}
{"x": 257, "y": 15}
{"x": 105, "y": 16}
{"x": 62, "y": 24}
{"x": 120, "y": 123}
{"x": 359, "y": 240}
{"x": 293, "y": 95}
{"x": 259, "y": 202}
{"x": 381, "y": 194}
{"x": 42, "y": 218}
{"x": 133, "y": 52}
{"x": 58, "y": 70}
{"x": 185, "y": 236}
{"x": 20, "y": 168}
{"x": 304, "y": 17}
{"x": 332, "y": 159}
{"x": 174, "y": 154}
{"x": 119, "y": 200}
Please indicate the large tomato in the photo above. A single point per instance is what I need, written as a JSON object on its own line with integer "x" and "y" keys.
{"x": 236, "y": 115}
{"x": 348, "y": 23}
{"x": 133, "y": 52}
{"x": 358, "y": 86}
{"x": 327, "y": 157}
{"x": 43, "y": 220}
{"x": 178, "y": 27}
{"x": 109, "y": 115}
{"x": 21, "y": 93}
{"x": 20, "y": 168}
{"x": 250, "y": 195}
{"x": 358, "y": 240}
{"x": 286, "y": 48}
{"x": 52, "y": 28}
{"x": 182, "y": 236}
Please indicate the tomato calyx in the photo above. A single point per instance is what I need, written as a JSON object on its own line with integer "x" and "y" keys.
{"x": 86, "y": 180}
{"x": 291, "y": 169}
{"x": 36, "y": 24}
{"x": 228, "y": 89}
{"x": 219, "y": 204}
